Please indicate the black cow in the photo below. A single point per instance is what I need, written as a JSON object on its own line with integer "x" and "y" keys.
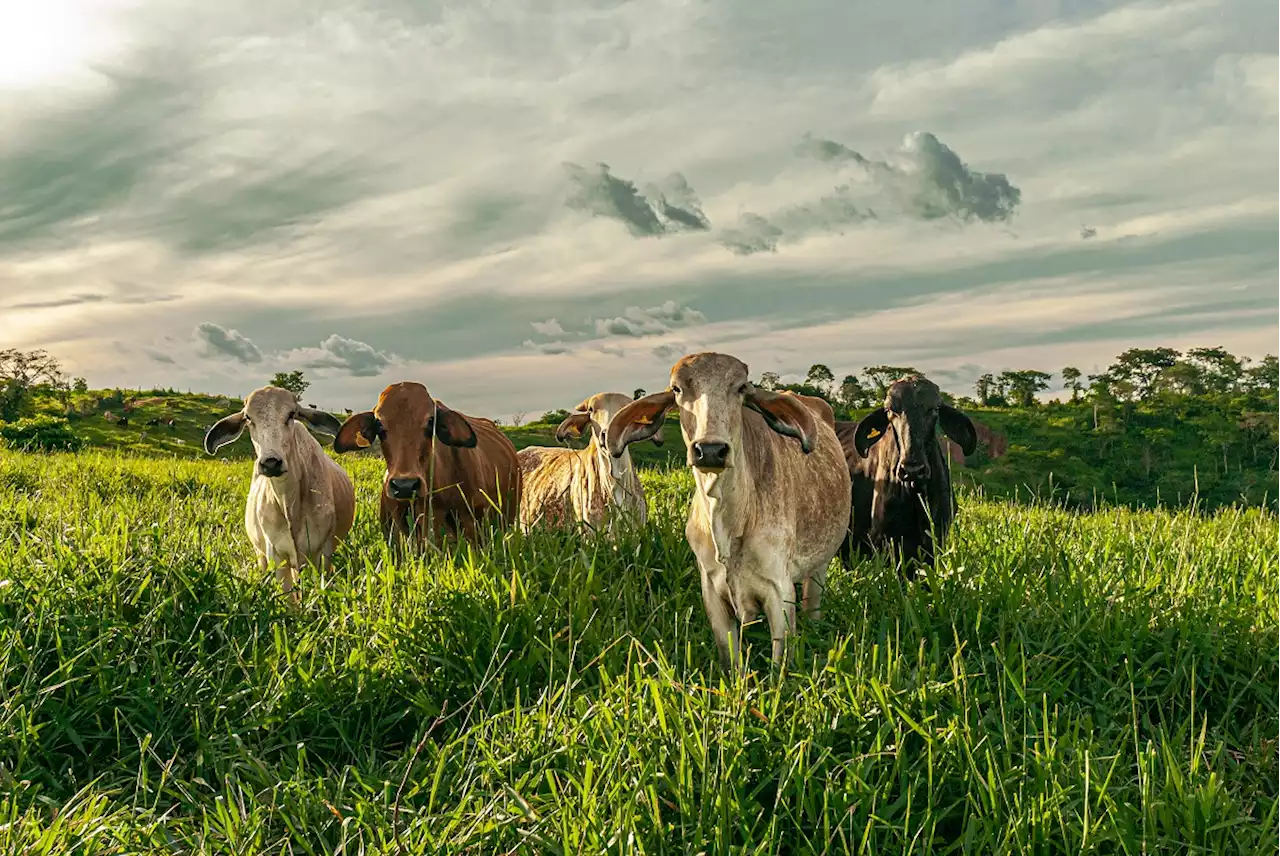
{"x": 902, "y": 494}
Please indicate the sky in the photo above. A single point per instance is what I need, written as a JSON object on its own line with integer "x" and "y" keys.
{"x": 521, "y": 203}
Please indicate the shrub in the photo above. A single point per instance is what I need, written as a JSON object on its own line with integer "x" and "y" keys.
{"x": 39, "y": 434}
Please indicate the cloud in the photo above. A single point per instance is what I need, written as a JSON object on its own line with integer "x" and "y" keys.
{"x": 548, "y": 347}
{"x": 550, "y": 327}
{"x": 649, "y": 322}
{"x": 357, "y": 359}
{"x": 220, "y": 341}
{"x": 670, "y": 207}
{"x": 753, "y": 234}
{"x": 56, "y": 302}
{"x": 158, "y": 356}
{"x": 670, "y": 351}
{"x": 924, "y": 180}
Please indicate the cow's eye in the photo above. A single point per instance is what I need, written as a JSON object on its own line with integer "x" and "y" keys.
{"x": 675, "y": 388}
{"x": 742, "y": 390}
{"x": 289, "y": 418}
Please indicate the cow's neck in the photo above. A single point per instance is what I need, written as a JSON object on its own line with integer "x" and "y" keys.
{"x": 727, "y": 500}
{"x": 617, "y": 488}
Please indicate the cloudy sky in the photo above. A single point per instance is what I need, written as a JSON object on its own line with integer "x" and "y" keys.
{"x": 520, "y": 203}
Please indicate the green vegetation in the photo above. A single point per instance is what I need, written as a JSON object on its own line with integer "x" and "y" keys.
{"x": 1157, "y": 428}
{"x": 1098, "y": 683}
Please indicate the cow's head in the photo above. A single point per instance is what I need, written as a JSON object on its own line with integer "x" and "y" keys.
{"x": 275, "y": 420}
{"x": 408, "y": 421}
{"x": 913, "y": 410}
{"x": 594, "y": 415}
{"x": 710, "y": 391}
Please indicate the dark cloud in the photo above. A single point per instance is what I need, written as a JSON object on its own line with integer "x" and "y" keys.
{"x": 753, "y": 234}
{"x": 69, "y": 300}
{"x": 123, "y": 294}
{"x": 357, "y": 359}
{"x": 1087, "y": 232}
{"x": 158, "y": 356}
{"x": 228, "y": 343}
{"x": 670, "y": 207}
{"x": 648, "y": 322}
{"x": 828, "y": 150}
{"x": 928, "y": 181}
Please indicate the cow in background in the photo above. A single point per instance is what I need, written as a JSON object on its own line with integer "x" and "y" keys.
{"x": 588, "y": 485}
{"x": 902, "y": 495}
{"x": 446, "y": 472}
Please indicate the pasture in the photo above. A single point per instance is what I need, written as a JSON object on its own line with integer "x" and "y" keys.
{"x": 1082, "y": 683}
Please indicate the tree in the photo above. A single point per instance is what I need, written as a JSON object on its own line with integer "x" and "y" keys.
{"x": 1265, "y": 376}
{"x": 851, "y": 392}
{"x": 770, "y": 380}
{"x": 20, "y": 373}
{"x": 292, "y": 381}
{"x": 819, "y": 376}
{"x": 1021, "y": 386}
{"x": 1071, "y": 380}
{"x": 638, "y": 394}
{"x": 80, "y": 384}
{"x": 882, "y": 377}
{"x": 1141, "y": 367}
{"x": 984, "y": 388}
{"x": 1221, "y": 370}
{"x": 517, "y": 418}
{"x": 553, "y": 417}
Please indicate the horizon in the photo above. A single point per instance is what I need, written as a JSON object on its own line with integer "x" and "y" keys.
{"x": 196, "y": 198}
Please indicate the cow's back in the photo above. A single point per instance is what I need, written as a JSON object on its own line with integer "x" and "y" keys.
{"x": 486, "y": 474}
{"x": 546, "y": 491}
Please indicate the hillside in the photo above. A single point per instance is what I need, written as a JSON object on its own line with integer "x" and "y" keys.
{"x": 1218, "y": 450}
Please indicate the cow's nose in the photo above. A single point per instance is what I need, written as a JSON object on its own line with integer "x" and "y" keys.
{"x": 710, "y": 456}
{"x": 914, "y": 471}
{"x": 271, "y": 467}
{"x": 404, "y": 488}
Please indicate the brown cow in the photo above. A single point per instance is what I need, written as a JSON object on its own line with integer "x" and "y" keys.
{"x": 771, "y": 501}
{"x": 588, "y": 485}
{"x": 472, "y": 469}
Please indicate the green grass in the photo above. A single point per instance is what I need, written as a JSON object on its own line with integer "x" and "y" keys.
{"x": 1101, "y": 683}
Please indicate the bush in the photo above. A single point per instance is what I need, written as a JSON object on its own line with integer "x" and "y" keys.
{"x": 39, "y": 434}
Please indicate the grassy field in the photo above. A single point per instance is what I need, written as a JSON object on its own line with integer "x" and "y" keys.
{"x": 1101, "y": 683}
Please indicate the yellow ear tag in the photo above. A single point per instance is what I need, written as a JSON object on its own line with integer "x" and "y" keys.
{"x": 873, "y": 433}
{"x": 362, "y": 441}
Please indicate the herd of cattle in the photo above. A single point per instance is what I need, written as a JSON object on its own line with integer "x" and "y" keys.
{"x": 781, "y": 486}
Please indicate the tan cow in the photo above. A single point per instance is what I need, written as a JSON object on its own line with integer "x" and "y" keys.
{"x": 588, "y": 485}
{"x": 467, "y": 462}
{"x": 771, "y": 505}
{"x": 301, "y": 502}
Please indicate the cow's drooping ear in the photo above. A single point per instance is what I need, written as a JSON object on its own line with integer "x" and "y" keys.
{"x": 452, "y": 428}
{"x": 573, "y": 426}
{"x": 358, "y": 432}
{"x": 870, "y": 430}
{"x": 959, "y": 428}
{"x": 785, "y": 414}
{"x": 325, "y": 423}
{"x": 656, "y": 439}
{"x": 224, "y": 431}
{"x": 640, "y": 420}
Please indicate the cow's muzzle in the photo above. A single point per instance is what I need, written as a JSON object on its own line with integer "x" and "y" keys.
{"x": 271, "y": 467}
{"x": 404, "y": 489}
{"x": 710, "y": 456}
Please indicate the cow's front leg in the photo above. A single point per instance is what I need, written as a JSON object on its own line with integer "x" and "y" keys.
{"x": 724, "y": 624}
